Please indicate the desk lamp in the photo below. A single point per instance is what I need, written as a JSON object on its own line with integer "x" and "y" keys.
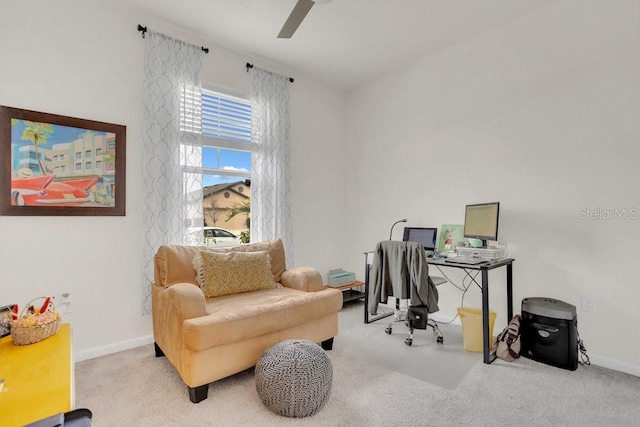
{"x": 394, "y": 224}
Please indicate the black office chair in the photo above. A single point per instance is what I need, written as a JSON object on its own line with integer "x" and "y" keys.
{"x": 400, "y": 270}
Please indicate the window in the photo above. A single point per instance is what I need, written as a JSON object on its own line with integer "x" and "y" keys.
{"x": 226, "y": 160}
{"x": 78, "y": 155}
{"x": 226, "y": 131}
{"x": 87, "y": 153}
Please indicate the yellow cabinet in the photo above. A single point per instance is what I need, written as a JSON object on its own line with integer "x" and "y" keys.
{"x": 38, "y": 378}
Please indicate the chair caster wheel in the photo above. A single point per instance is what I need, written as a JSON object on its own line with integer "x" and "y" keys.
{"x": 408, "y": 342}
{"x": 388, "y": 330}
{"x": 440, "y": 340}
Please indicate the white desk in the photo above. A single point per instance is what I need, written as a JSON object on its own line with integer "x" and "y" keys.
{"x": 484, "y": 268}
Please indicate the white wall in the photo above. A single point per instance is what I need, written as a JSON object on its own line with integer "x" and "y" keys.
{"x": 85, "y": 59}
{"x": 540, "y": 114}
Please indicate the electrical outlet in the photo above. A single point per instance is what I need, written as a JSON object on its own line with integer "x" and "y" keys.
{"x": 588, "y": 303}
{"x": 63, "y": 303}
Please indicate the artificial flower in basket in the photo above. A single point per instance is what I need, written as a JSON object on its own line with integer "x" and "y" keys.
{"x": 35, "y": 323}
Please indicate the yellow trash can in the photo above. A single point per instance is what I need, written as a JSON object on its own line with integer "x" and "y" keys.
{"x": 471, "y": 319}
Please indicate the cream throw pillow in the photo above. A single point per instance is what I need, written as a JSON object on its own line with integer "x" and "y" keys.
{"x": 229, "y": 273}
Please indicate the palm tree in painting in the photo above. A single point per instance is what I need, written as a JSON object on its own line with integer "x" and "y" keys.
{"x": 37, "y": 133}
{"x": 109, "y": 158}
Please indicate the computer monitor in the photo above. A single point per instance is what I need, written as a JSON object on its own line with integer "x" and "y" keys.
{"x": 481, "y": 221}
{"x": 425, "y": 236}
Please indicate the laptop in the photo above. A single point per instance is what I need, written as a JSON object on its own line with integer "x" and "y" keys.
{"x": 426, "y": 236}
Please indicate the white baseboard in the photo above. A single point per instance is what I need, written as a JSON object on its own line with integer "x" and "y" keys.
{"x": 616, "y": 365}
{"x": 112, "y": 348}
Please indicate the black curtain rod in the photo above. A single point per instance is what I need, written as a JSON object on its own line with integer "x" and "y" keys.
{"x": 144, "y": 31}
{"x": 251, "y": 66}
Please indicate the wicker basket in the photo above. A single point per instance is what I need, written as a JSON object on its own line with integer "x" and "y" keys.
{"x": 32, "y": 328}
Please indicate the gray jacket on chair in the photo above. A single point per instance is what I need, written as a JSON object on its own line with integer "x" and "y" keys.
{"x": 400, "y": 270}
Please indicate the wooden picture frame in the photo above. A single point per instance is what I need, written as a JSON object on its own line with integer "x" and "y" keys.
{"x": 58, "y": 165}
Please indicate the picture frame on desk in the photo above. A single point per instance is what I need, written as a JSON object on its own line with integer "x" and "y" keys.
{"x": 451, "y": 236}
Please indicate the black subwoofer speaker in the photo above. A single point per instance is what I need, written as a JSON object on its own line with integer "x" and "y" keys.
{"x": 549, "y": 332}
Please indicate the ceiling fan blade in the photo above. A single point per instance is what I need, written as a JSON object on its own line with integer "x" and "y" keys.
{"x": 294, "y": 20}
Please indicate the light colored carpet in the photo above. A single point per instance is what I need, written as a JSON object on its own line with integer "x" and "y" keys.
{"x": 134, "y": 388}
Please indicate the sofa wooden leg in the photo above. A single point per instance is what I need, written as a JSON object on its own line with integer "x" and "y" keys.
{"x": 199, "y": 393}
{"x": 159, "y": 352}
{"x": 327, "y": 344}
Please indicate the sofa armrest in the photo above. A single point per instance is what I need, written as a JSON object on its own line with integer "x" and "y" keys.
{"x": 188, "y": 300}
{"x": 303, "y": 279}
{"x": 170, "y": 308}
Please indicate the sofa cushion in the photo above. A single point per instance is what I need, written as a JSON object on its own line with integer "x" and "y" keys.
{"x": 220, "y": 274}
{"x": 239, "y": 317}
{"x": 174, "y": 263}
{"x": 275, "y": 249}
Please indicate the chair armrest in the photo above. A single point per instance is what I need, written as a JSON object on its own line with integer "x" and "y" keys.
{"x": 437, "y": 280}
{"x": 303, "y": 279}
{"x": 188, "y": 300}
{"x": 170, "y": 308}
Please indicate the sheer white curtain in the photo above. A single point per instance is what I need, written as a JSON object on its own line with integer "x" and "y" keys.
{"x": 271, "y": 175}
{"x": 172, "y": 148}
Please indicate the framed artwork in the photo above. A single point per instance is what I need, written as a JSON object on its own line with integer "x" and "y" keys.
{"x": 6, "y": 313}
{"x": 451, "y": 236}
{"x": 58, "y": 165}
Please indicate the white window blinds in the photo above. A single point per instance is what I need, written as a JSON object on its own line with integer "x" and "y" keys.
{"x": 225, "y": 117}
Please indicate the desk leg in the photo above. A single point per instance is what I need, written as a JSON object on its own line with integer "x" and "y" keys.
{"x": 486, "y": 339}
{"x": 366, "y": 289}
{"x": 509, "y": 291}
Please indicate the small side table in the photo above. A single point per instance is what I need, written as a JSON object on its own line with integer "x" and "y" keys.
{"x": 349, "y": 293}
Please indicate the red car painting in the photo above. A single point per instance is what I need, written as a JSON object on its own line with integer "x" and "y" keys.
{"x": 44, "y": 190}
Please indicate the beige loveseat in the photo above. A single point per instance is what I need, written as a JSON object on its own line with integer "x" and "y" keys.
{"x": 207, "y": 339}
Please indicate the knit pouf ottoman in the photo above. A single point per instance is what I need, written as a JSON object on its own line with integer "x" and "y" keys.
{"x": 293, "y": 378}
